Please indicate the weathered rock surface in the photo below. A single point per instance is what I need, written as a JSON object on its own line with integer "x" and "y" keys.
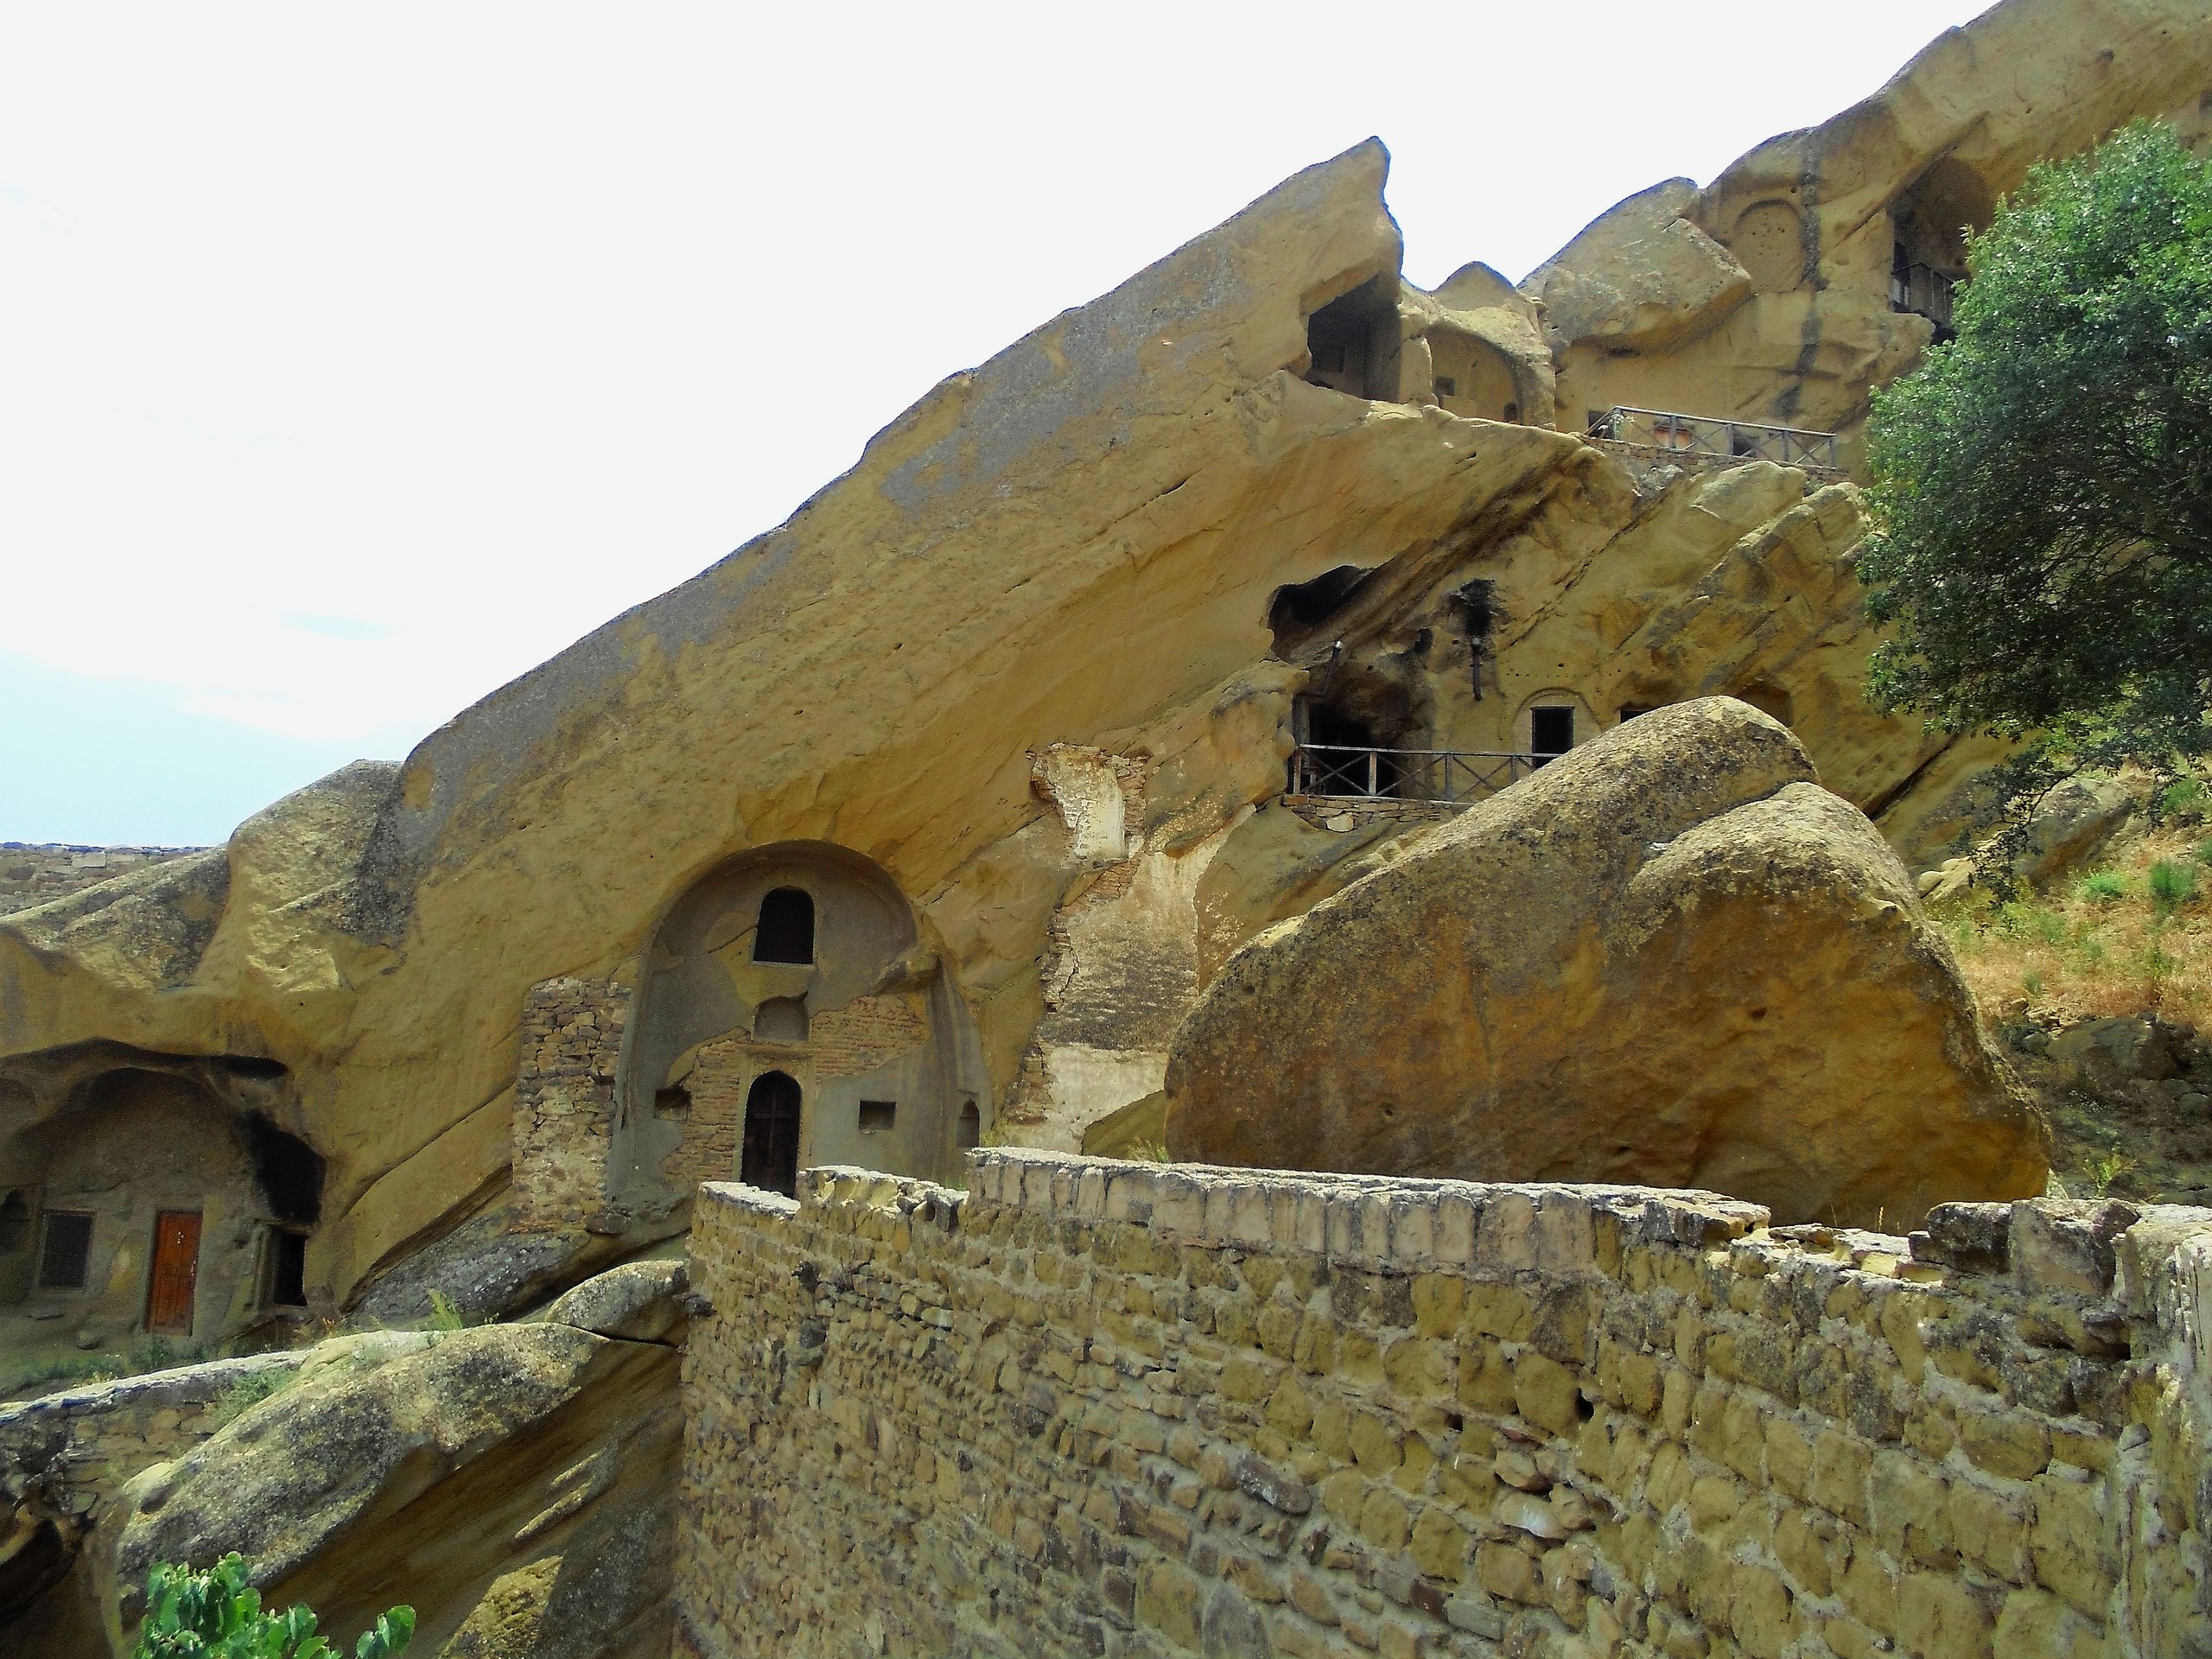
{"x": 1039, "y": 657}
{"x": 435, "y": 1477}
{"x": 513, "y": 1483}
{"x": 1671, "y": 957}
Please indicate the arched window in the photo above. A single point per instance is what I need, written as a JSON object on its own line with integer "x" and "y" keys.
{"x": 786, "y": 930}
{"x": 971, "y": 1126}
{"x": 769, "y": 1159}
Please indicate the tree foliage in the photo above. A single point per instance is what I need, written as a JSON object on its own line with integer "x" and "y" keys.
{"x": 218, "y": 1615}
{"x": 2043, "y": 483}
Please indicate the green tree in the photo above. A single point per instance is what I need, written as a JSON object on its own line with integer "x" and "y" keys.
{"x": 2043, "y": 483}
{"x": 218, "y": 1615}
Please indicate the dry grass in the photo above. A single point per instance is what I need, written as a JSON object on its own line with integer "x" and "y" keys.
{"x": 2131, "y": 936}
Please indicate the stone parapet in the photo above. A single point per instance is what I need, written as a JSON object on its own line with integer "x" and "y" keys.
{"x": 1105, "y": 1408}
{"x": 564, "y": 1109}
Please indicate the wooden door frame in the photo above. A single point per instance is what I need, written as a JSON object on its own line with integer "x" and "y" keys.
{"x": 154, "y": 1267}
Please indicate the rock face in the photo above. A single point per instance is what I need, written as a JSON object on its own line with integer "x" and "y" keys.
{"x": 1669, "y": 959}
{"x": 1011, "y": 706}
{"x": 514, "y": 1483}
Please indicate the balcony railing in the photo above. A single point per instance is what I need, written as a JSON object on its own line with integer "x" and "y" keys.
{"x": 1671, "y": 436}
{"x": 1925, "y": 292}
{"x": 1436, "y": 776}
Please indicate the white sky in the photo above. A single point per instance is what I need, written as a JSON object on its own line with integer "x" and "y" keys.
{"x": 353, "y": 359}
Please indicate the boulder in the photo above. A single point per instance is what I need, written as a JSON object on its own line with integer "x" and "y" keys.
{"x": 2103, "y": 1054}
{"x": 1642, "y": 276}
{"x": 512, "y": 1482}
{"x": 1670, "y": 957}
{"x": 639, "y": 1300}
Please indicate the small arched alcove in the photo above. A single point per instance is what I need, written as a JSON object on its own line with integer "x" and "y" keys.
{"x": 801, "y": 960}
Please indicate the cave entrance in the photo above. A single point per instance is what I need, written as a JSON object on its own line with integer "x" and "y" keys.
{"x": 1352, "y": 342}
{"x": 769, "y": 1158}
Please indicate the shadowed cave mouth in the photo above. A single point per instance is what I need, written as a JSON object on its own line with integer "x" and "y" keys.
{"x": 289, "y": 1171}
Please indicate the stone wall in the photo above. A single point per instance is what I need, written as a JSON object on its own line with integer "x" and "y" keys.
{"x": 564, "y": 1100}
{"x": 1102, "y": 1408}
{"x": 64, "y": 1459}
{"x": 35, "y": 874}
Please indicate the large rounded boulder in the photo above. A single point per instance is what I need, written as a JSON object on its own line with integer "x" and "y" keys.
{"x": 1668, "y": 958}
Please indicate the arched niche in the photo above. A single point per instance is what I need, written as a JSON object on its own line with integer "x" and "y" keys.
{"x": 1474, "y": 378}
{"x": 1768, "y": 241}
{"x": 866, "y": 1015}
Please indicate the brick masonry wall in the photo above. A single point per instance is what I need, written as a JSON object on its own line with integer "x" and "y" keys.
{"x": 38, "y": 873}
{"x": 849, "y": 1042}
{"x": 1093, "y": 1408}
{"x": 564, "y": 1101}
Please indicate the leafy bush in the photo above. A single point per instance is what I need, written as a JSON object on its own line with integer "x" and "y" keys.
{"x": 2102, "y": 887}
{"x": 2172, "y": 886}
{"x": 218, "y": 1615}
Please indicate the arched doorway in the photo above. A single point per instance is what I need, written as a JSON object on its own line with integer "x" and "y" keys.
{"x": 769, "y": 1156}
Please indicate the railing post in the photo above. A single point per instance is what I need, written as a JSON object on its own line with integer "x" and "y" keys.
{"x": 1372, "y": 760}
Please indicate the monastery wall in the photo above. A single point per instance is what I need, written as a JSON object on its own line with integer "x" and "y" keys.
{"x": 1128, "y": 1408}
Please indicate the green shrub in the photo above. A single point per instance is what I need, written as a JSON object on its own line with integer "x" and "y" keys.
{"x": 218, "y": 1615}
{"x": 2172, "y": 886}
{"x": 2101, "y": 888}
{"x": 444, "y": 1316}
{"x": 2186, "y": 796}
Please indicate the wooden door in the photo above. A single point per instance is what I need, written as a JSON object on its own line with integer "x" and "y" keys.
{"x": 176, "y": 1269}
{"x": 769, "y": 1158}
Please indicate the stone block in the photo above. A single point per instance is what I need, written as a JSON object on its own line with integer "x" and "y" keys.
{"x": 2065, "y": 1246}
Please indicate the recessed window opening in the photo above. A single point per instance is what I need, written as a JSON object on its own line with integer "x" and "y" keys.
{"x": 65, "y": 1255}
{"x": 14, "y": 1223}
{"x": 1446, "y": 386}
{"x": 1513, "y": 413}
{"x": 769, "y": 1157}
{"x": 1551, "y": 731}
{"x": 971, "y": 1125}
{"x": 1632, "y": 710}
{"x": 290, "y": 1170}
{"x": 786, "y": 929}
{"x": 287, "y": 1269}
{"x": 878, "y": 1117}
{"x": 671, "y": 1101}
{"x": 781, "y": 1019}
{"x": 1352, "y": 340}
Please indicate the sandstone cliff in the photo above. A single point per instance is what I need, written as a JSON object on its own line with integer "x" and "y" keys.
{"x": 1017, "y": 693}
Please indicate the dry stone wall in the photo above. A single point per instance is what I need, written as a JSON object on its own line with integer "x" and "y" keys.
{"x": 1100, "y": 1407}
{"x": 564, "y": 1101}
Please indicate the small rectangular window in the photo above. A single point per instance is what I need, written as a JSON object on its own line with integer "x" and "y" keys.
{"x": 1446, "y": 386}
{"x": 287, "y": 1269}
{"x": 878, "y": 1115}
{"x": 65, "y": 1255}
{"x": 1551, "y": 730}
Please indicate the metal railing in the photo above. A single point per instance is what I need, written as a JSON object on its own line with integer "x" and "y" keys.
{"x": 1434, "y": 777}
{"x": 1924, "y": 291}
{"x": 1669, "y": 435}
